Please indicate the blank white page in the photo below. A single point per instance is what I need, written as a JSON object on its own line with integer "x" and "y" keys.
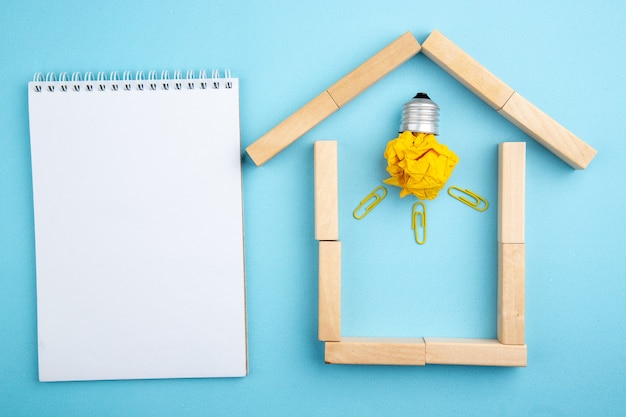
{"x": 138, "y": 230}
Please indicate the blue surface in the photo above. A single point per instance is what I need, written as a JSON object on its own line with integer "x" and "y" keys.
{"x": 566, "y": 57}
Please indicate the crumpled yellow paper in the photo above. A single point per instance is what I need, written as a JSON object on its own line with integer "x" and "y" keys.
{"x": 419, "y": 164}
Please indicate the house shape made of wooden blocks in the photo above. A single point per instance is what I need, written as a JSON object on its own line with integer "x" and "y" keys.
{"x": 509, "y": 349}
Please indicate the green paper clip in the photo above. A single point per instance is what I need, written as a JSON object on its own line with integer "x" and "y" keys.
{"x": 476, "y": 203}
{"x": 421, "y": 213}
{"x": 377, "y": 194}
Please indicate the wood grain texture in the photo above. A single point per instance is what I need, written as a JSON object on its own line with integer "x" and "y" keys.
{"x": 376, "y": 351}
{"x": 292, "y": 128}
{"x": 511, "y": 191}
{"x": 344, "y": 90}
{"x": 329, "y": 296}
{"x": 511, "y": 293}
{"x": 479, "y": 352}
{"x": 466, "y": 70}
{"x": 549, "y": 133}
{"x": 375, "y": 68}
{"x": 326, "y": 190}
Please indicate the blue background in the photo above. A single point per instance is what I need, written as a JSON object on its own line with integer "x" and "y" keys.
{"x": 566, "y": 57}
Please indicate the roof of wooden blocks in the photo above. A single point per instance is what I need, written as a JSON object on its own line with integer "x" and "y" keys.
{"x": 504, "y": 99}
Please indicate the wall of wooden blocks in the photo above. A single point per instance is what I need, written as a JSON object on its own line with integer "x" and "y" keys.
{"x": 326, "y": 196}
{"x": 509, "y": 349}
{"x": 511, "y": 242}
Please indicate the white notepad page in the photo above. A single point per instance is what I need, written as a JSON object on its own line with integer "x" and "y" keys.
{"x": 138, "y": 229}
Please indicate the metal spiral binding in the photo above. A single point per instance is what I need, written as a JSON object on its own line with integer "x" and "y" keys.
{"x": 102, "y": 82}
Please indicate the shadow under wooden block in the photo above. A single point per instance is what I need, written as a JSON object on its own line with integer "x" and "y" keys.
{"x": 478, "y": 352}
{"x": 376, "y": 351}
{"x": 329, "y": 296}
{"x": 511, "y": 293}
{"x": 326, "y": 190}
{"x": 511, "y": 191}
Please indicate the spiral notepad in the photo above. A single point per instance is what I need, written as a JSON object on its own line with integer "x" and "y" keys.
{"x": 138, "y": 226}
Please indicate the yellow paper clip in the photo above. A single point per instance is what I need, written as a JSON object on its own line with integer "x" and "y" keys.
{"x": 419, "y": 210}
{"x": 476, "y": 203}
{"x": 377, "y": 195}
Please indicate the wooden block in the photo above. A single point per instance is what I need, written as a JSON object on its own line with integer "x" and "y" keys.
{"x": 307, "y": 117}
{"x": 466, "y": 70}
{"x": 376, "y": 351}
{"x": 509, "y": 103}
{"x": 326, "y": 190}
{"x": 511, "y": 292}
{"x": 329, "y": 297}
{"x": 511, "y": 191}
{"x": 481, "y": 352}
{"x": 290, "y": 129}
{"x": 375, "y": 68}
{"x": 545, "y": 130}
